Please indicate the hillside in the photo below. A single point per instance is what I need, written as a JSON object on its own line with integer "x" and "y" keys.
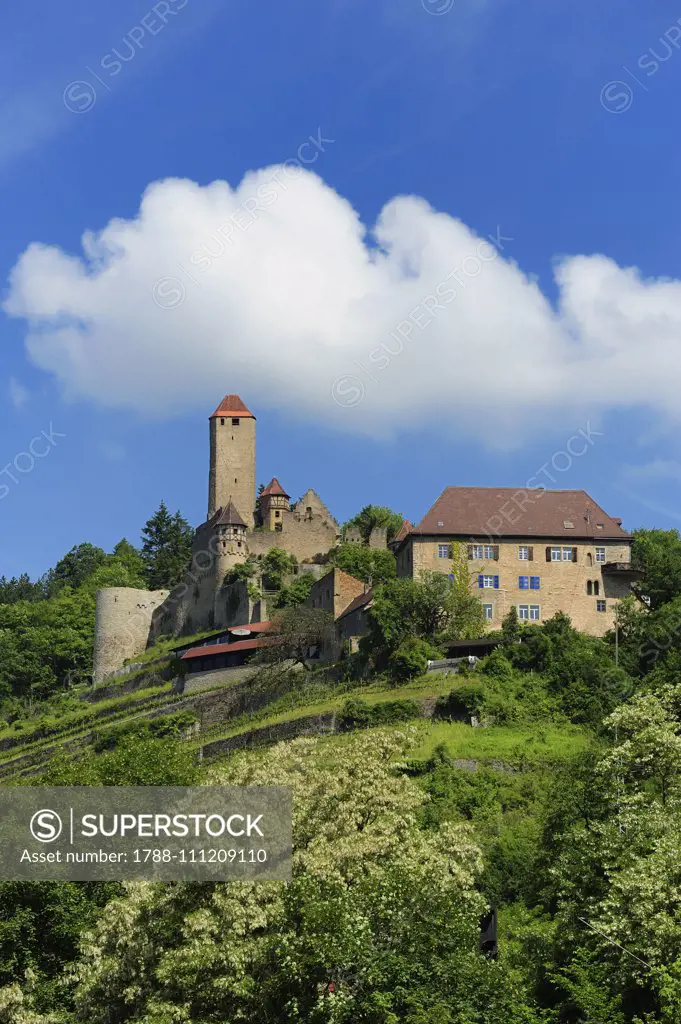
{"x": 543, "y": 784}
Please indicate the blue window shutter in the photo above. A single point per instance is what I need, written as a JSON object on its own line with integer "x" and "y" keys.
{"x": 496, "y": 582}
{"x": 480, "y": 581}
{"x": 535, "y": 583}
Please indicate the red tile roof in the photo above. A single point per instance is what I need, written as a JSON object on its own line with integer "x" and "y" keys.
{"x": 231, "y": 405}
{"x": 241, "y": 645}
{"x": 519, "y": 512}
{"x": 253, "y": 627}
{"x": 274, "y": 487}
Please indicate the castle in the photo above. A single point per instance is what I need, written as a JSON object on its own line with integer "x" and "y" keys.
{"x": 238, "y": 526}
{"x": 531, "y": 549}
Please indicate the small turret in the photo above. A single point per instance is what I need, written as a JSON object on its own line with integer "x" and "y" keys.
{"x": 274, "y": 503}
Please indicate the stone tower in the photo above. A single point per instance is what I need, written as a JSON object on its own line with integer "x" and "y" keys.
{"x": 274, "y": 502}
{"x": 232, "y": 459}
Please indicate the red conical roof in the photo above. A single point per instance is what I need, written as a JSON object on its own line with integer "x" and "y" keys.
{"x": 274, "y": 487}
{"x": 231, "y": 405}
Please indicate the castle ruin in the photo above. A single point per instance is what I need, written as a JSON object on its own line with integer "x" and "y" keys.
{"x": 238, "y": 526}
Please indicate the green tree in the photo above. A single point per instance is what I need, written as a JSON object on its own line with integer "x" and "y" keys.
{"x": 166, "y": 549}
{"x": 20, "y": 588}
{"x": 74, "y": 568}
{"x": 658, "y": 554}
{"x": 410, "y": 659}
{"x": 296, "y": 592}
{"x": 276, "y": 565}
{"x": 371, "y": 565}
{"x": 128, "y": 554}
{"x": 380, "y": 922}
{"x": 376, "y": 515}
{"x": 433, "y": 607}
{"x": 299, "y": 632}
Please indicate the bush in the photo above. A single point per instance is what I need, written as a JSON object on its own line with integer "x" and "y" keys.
{"x": 461, "y": 703}
{"x": 358, "y": 714}
{"x": 410, "y": 659}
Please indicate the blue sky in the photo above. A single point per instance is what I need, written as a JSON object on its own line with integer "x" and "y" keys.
{"x": 501, "y": 117}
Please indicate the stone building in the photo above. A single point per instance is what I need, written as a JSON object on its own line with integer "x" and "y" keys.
{"x": 238, "y": 526}
{"x": 539, "y": 551}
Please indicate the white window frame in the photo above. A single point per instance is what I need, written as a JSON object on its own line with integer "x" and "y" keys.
{"x": 567, "y": 554}
{"x": 447, "y": 548}
{"x": 556, "y": 554}
{"x": 529, "y": 612}
{"x": 600, "y": 554}
{"x": 487, "y": 582}
{"x": 524, "y": 552}
{"x": 477, "y": 551}
{"x": 488, "y": 611}
{"x": 488, "y": 552}
{"x": 604, "y": 607}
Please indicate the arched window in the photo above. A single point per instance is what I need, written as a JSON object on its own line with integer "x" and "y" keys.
{"x": 589, "y": 587}
{"x": 589, "y": 558}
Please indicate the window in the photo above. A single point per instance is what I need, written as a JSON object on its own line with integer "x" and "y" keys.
{"x": 235, "y": 421}
{"x": 597, "y": 588}
{"x": 568, "y": 524}
{"x": 589, "y": 588}
{"x": 529, "y": 582}
{"x": 600, "y": 606}
{"x": 444, "y": 551}
{"x": 524, "y": 553}
{"x": 222, "y": 423}
{"x": 529, "y": 612}
{"x": 557, "y": 554}
{"x": 488, "y": 582}
{"x": 488, "y": 610}
{"x": 600, "y": 554}
{"x": 277, "y": 514}
{"x": 440, "y": 523}
{"x": 488, "y": 551}
{"x": 477, "y": 551}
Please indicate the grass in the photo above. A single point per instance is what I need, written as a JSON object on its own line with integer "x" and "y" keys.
{"x": 317, "y": 699}
{"x": 97, "y": 716}
{"x": 514, "y": 745}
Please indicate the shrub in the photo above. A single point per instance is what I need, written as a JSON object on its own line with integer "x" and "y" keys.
{"x": 358, "y": 714}
{"x": 410, "y": 659}
{"x": 461, "y": 703}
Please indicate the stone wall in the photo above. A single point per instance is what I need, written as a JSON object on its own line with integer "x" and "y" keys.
{"x": 123, "y": 620}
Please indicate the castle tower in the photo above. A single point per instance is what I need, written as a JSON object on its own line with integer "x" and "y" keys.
{"x": 274, "y": 501}
{"x": 232, "y": 458}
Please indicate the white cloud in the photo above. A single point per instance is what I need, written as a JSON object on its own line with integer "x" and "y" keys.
{"x": 302, "y": 293}
{"x": 18, "y": 394}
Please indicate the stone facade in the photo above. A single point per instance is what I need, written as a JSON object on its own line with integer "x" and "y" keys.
{"x": 577, "y": 585}
{"x": 335, "y": 592}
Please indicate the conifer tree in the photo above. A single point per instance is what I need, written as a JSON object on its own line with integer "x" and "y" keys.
{"x": 166, "y": 549}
